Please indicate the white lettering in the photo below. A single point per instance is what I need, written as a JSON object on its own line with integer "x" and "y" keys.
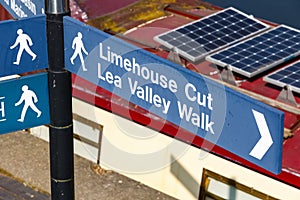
{"x": 127, "y": 65}
{"x": 193, "y": 95}
{"x": 146, "y": 93}
{"x": 184, "y": 112}
{"x": 101, "y": 52}
{"x": 189, "y": 115}
{"x": 17, "y": 9}
{"x": 132, "y": 86}
{"x": 130, "y": 65}
{"x": 29, "y": 5}
{"x": 2, "y": 109}
{"x": 117, "y": 59}
{"x": 109, "y": 77}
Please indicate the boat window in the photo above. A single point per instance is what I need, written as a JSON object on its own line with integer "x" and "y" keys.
{"x": 217, "y": 187}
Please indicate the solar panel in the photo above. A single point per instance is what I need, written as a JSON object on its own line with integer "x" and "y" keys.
{"x": 260, "y": 53}
{"x": 195, "y": 40}
{"x": 287, "y": 76}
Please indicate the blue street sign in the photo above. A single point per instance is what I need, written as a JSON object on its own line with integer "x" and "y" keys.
{"x": 23, "y": 45}
{"x": 24, "y": 8}
{"x": 24, "y": 103}
{"x": 227, "y": 118}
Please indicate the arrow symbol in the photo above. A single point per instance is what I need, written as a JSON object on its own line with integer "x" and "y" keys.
{"x": 265, "y": 142}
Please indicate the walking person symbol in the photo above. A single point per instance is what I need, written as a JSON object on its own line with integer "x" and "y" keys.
{"x": 29, "y": 98}
{"x": 24, "y": 41}
{"x": 78, "y": 47}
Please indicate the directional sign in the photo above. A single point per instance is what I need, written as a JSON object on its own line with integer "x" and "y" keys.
{"x": 23, "y": 45}
{"x": 236, "y": 122}
{"x": 24, "y": 8}
{"x": 24, "y": 103}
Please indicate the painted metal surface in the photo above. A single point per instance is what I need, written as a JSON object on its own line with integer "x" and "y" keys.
{"x": 207, "y": 109}
{"x": 24, "y": 8}
{"x": 23, "y": 45}
{"x": 24, "y": 103}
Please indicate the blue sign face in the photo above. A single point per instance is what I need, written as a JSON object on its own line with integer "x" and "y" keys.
{"x": 24, "y": 103}
{"x": 23, "y": 45}
{"x": 236, "y": 122}
{"x": 24, "y": 8}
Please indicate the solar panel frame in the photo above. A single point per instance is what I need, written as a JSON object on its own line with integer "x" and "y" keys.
{"x": 199, "y": 51}
{"x": 258, "y": 43}
{"x": 286, "y": 76}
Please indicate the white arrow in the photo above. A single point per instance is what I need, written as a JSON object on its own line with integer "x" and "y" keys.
{"x": 265, "y": 142}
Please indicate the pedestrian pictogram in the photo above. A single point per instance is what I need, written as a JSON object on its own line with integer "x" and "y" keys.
{"x": 29, "y": 98}
{"x": 78, "y": 47}
{"x": 24, "y": 44}
{"x": 24, "y": 41}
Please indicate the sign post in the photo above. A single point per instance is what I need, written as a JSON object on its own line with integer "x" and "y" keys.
{"x": 27, "y": 104}
{"x": 242, "y": 125}
{"x": 60, "y": 95}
